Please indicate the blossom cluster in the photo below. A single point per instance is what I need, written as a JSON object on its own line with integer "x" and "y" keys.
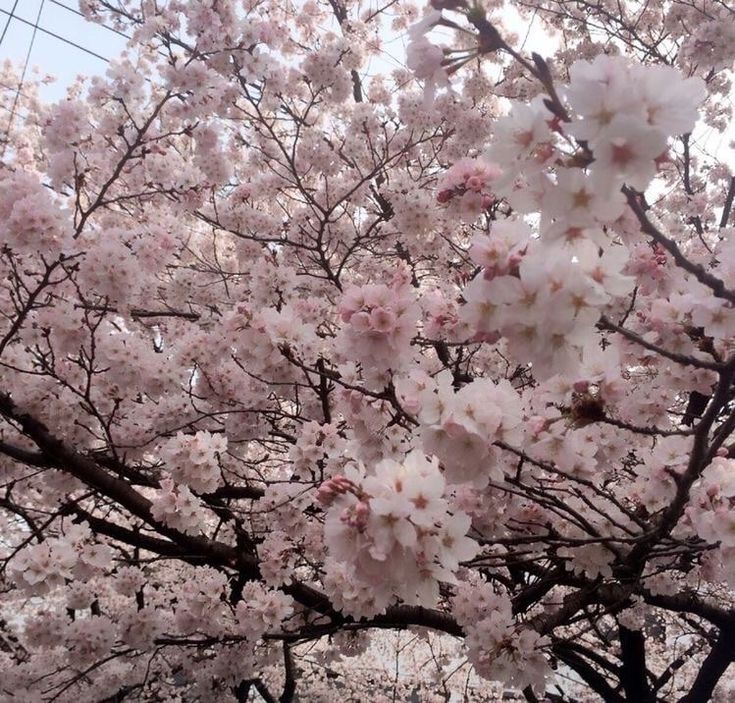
{"x": 544, "y": 295}
{"x": 500, "y": 649}
{"x": 289, "y": 346}
{"x": 394, "y": 527}
{"x": 712, "y": 503}
{"x": 460, "y": 428}
{"x": 469, "y": 182}
{"x": 73, "y": 555}
{"x": 176, "y": 506}
{"x": 193, "y": 459}
{"x": 379, "y": 323}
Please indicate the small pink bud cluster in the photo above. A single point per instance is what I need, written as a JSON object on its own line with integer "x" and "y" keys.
{"x": 501, "y": 252}
{"x": 711, "y": 508}
{"x": 539, "y": 425}
{"x": 333, "y": 487}
{"x": 470, "y": 180}
{"x": 381, "y": 322}
{"x": 648, "y": 262}
{"x": 357, "y": 515}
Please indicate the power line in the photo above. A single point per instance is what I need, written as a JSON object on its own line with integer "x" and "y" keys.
{"x": 81, "y": 14}
{"x": 7, "y": 24}
{"x": 7, "y": 109}
{"x": 13, "y": 88}
{"x": 23, "y": 74}
{"x": 57, "y": 36}
{"x": 98, "y": 24}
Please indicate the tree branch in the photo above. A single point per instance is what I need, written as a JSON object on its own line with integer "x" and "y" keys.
{"x": 714, "y": 666}
{"x": 633, "y": 673}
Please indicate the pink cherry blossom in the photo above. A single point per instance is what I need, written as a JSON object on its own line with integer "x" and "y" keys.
{"x": 356, "y": 351}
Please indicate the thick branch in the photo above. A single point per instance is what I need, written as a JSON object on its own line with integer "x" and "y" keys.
{"x": 714, "y": 666}
{"x": 727, "y": 209}
{"x": 289, "y": 685}
{"x": 716, "y": 285}
{"x": 633, "y": 674}
{"x": 593, "y": 678}
{"x": 116, "y": 489}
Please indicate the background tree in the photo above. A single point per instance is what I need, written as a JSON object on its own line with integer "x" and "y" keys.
{"x": 322, "y": 380}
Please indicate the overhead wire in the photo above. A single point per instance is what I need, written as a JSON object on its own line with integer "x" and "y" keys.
{"x": 7, "y": 109}
{"x": 98, "y": 24}
{"x": 13, "y": 88}
{"x": 22, "y": 75}
{"x": 58, "y": 36}
{"x": 81, "y": 14}
{"x": 11, "y": 14}
{"x": 38, "y": 28}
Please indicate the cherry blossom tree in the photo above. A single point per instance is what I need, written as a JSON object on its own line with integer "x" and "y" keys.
{"x": 372, "y": 349}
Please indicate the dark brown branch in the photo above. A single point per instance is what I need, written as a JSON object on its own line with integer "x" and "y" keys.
{"x": 136, "y": 538}
{"x": 727, "y": 208}
{"x": 716, "y": 285}
{"x": 289, "y": 685}
{"x": 593, "y": 678}
{"x": 265, "y": 694}
{"x": 25, "y": 456}
{"x": 714, "y": 666}
{"x": 137, "y": 312}
{"x": 633, "y": 673}
{"x": 689, "y": 602}
{"x": 116, "y": 489}
{"x": 683, "y": 359}
{"x": 675, "y": 665}
{"x": 697, "y": 461}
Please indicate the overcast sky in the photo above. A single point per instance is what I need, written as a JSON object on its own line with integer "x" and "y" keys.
{"x": 50, "y": 54}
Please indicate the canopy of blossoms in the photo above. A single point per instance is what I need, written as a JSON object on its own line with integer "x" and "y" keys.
{"x": 333, "y": 370}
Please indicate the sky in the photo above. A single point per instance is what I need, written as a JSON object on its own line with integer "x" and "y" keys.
{"x": 56, "y": 56}
{"x": 52, "y": 55}
{"x": 49, "y": 53}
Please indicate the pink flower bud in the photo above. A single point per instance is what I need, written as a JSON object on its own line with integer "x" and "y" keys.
{"x": 382, "y": 320}
{"x": 360, "y": 321}
{"x": 325, "y": 495}
{"x": 474, "y": 183}
{"x": 514, "y": 260}
{"x": 487, "y": 200}
{"x": 331, "y": 488}
{"x": 362, "y": 513}
{"x": 539, "y": 425}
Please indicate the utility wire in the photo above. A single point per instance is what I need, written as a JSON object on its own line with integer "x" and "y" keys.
{"x": 57, "y": 36}
{"x": 13, "y": 88}
{"x": 22, "y": 75}
{"x": 81, "y": 14}
{"x": 7, "y": 109}
{"x": 7, "y": 23}
{"x": 99, "y": 24}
